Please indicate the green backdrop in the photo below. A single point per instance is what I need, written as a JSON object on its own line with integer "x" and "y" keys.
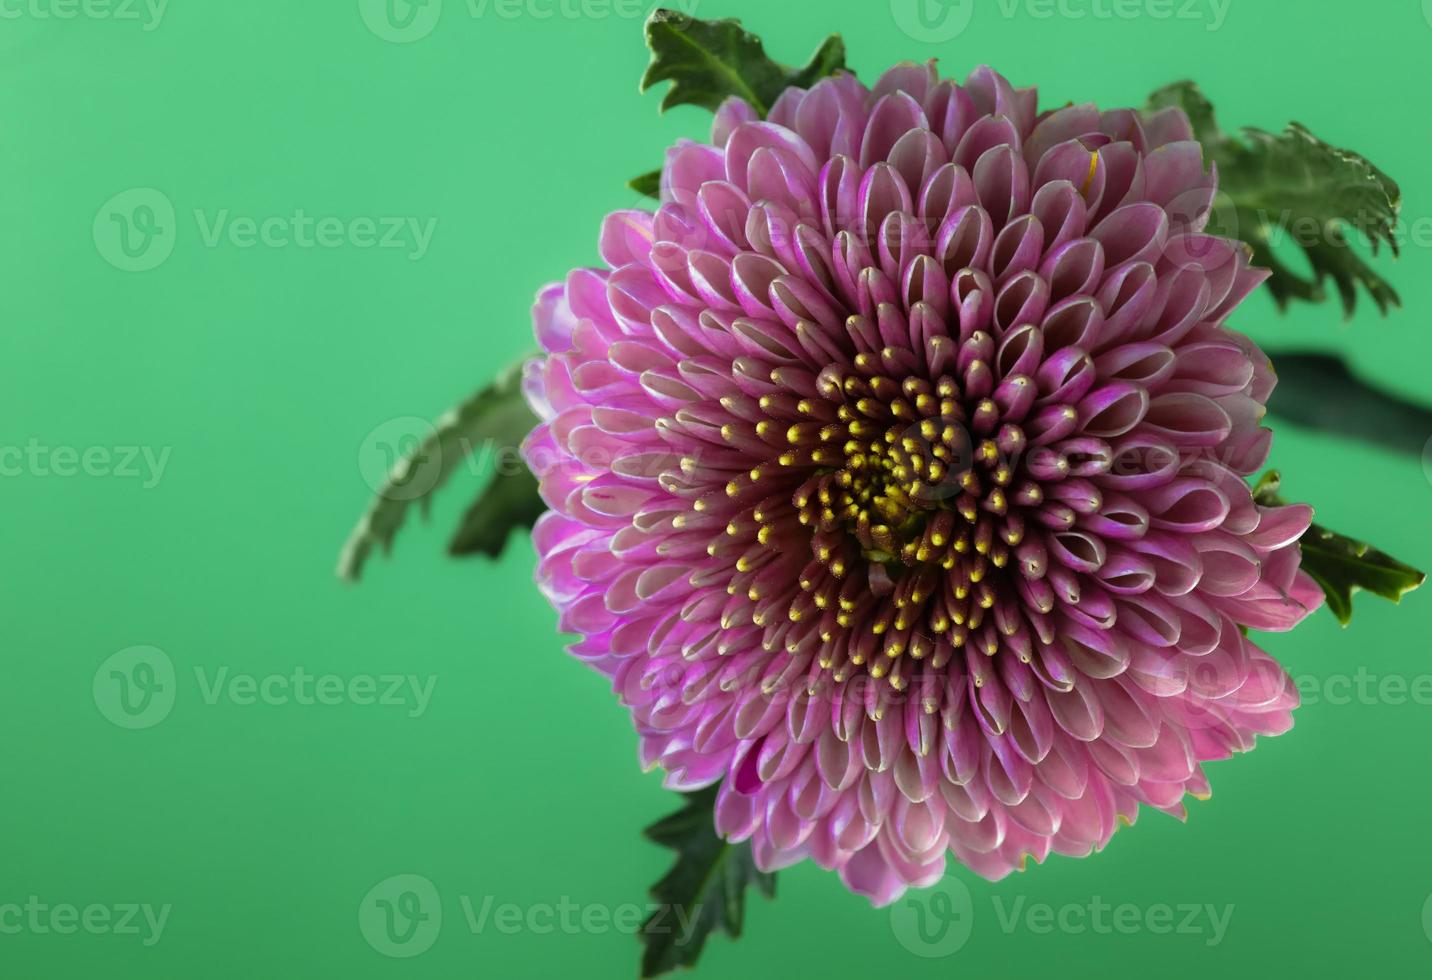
{"x": 194, "y": 406}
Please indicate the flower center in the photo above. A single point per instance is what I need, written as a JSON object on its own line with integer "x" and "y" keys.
{"x": 905, "y": 462}
{"x": 912, "y": 486}
{"x": 921, "y": 483}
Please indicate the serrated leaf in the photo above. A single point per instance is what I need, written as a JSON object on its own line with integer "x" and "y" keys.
{"x": 648, "y": 184}
{"x": 705, "y": 890}
{"x": 828, "y": 59}
{"x": 1320, "y": 392}
{"x": 1342, "y": 565}
{"x": 708, "y": 61}
{"x": 1294, "y": 187}
{"x": 497, "y": 416}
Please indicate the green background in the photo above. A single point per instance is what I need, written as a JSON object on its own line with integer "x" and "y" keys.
{"x": 274, "y": 375}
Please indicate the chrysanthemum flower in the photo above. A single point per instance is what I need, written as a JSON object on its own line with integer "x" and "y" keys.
{"x": 897, "y": 473}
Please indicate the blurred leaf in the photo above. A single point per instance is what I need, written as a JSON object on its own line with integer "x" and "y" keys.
{"x": 707, "y": 61}
{"x": 648, "y": 184}
{"x": 1292, "y": 186}
{"x": 703, "y": 892}
{"x": 495, "y": 417}
{"x": 509, "y": 502}
{"x": 1341, "y": 565}
{"x": 1320, "y": 392}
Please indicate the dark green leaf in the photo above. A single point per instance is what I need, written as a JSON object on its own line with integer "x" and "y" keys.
{"x": 648, "y": 184}
{"x": 1320, "y": 392}
{"x": 708, "y": 61}
{"x": 509, "y": 502}
{"x": 828, "y": 59}
{"x": 1293, "y": 187}
{"x": 1341, "y": 565}
{"x": 496, "y": 417}
{"x": 1190, "y": 98}
{"x": 703, "y": 892}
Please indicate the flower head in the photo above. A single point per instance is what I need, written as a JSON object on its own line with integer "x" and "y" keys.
{"x": 897, "y": 472}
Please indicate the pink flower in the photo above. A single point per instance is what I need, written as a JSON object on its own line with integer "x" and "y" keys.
{"x": 897, "y": 472}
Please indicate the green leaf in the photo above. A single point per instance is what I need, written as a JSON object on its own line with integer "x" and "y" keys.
{"x": 828, "y": 59}
{"x": 1293, "y": 187}
{"x": 703, "y": 892}
{"x": 509, "y": 502}
{"x": 708, "y": 61}
{"x": 648, "y": 184}
{"x": 496, "y": 417}
{"x": 1341, "y": 565}
{"x": 1320, "y": 392}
